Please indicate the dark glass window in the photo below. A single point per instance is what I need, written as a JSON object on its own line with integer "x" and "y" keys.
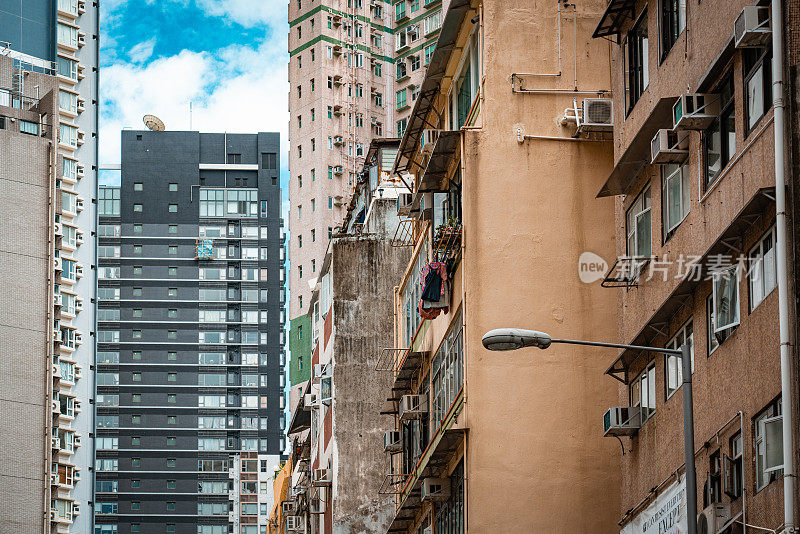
{"x": 673, "y": 22}
{"x": 719, "y": 141}
{"x": 757, "y": 85}
{"x": 637, "y": 64}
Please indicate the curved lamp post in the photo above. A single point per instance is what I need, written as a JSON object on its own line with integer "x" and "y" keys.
{"x": 501, "y": 339}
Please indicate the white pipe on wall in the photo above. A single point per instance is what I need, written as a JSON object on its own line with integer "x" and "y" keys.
{"x": 781, "y": 265}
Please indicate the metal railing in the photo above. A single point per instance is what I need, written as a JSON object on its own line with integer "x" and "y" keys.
{"x": 16, "y": 100}
{"x": 14, "y": 124}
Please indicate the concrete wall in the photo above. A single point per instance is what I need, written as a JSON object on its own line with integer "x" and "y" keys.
{"x": 365, "y": 271}
{"x": 25, "y": 268}
{"x": 536, "y": 460}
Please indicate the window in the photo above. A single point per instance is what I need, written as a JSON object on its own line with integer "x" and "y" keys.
{"x": 172, "y": 356}
{"x": 673, "y": 370}
{"x": 675, "y": 180}
{"x": 173, "y": 250}
{"x": 401, "y": 127}
{"x": 719, "y": 141}
{"x": 137, "y": 355}
{"x": 432, "y": 22}
{"x": 173, "y": 208}
{"x": 725, "y": 300}
{"x": 768, "y": 444}
{"x": 762, "y": 270}
{"x": 673, "y": 22}
{"x": 137, "y": 249}
{"x": 67, "y": 68}
{"x": 137, "y": 208}
{"x": 400, "y": 71}
{"x": 109, "y": 201}
{"x": 67, "y": 35}
{"x": 401, "y": 96}
{"x": 637, "y": 62}
{"x": 269, "y": 161}
{"x": 137, "y": 186}
{"x": 172, "y": 271}
{"x": 638, "y": 226}
{"x": 67, "y": 101}
{"x": 172, "y": 292}
{"x": 400, "y": 10}
{"x": 171, "y": 462}
{"x": 137, "y": 377}
{"x": 429, "y": 53}
{"x": 643, "y": 391}
{"x": 757, "y": 84}
{"x": 172, "y": 377}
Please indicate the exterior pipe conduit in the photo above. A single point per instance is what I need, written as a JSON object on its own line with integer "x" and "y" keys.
{"x": 781, "y": 265}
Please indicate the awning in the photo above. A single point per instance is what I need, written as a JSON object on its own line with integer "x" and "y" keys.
{"x": 717, "y": 67}
{"x": 614, "y": 17}
{"x": 637, "y": 155}
{"x": 444, "y": 149}
{"x": 429, "y": 88}
{"x": 301, "y": 417}
{"x": 686, "y": 287}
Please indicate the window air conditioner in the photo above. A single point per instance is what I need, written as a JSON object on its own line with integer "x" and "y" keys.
{"x": 392, "y": 441}
{"x": 337, "y": 170}
{"x": 404, "y": 203}
{"x": 58, "y": 300}
{"x": 752, "y": 27}
{"x": 56, "y": 409}
{"x": 54, "y": 478}
{"x": 57, "y": 229}
{"x": 435, "y": 489}
{"x": 55, "y": 443}
{"x": 81, "y": 7}
{"x": 76, "y": 441}
{"x": 78, "y": 304}
{"x": 294, "y": 522}
{"x": 79, "y": 203}
{"x": 78, "y": 408}
{"x": 598, "y": 115}
{"x": 76, "y": 508}
{"x": 665, "y": 148}
{"x": 58, "y": 265}
{"x": 81, "y": 137}
{"x": 316, "y": 506}
{"x": 81, "y": 39}
{"x": 78, "y": 341}
{"x": 78, "y": 270}
{"x": 310, "y": 400}
{"x": 57, "y": 335}
{"x": 413, "y": 407}
{"x": 81, "y": 105}
{"x": 710, "y": 520}
{"x": 429, "y": 137}
{"x": 80, "y": 171}
{"x": 79, "y": 238}
{"x": 622, "y": 421}
{"x": 56, "y": 374}
{"x": 337, "y": 140}
{"x": 53, "y": 515}
{"x": 321, "y": 477}
{"x": 288, "y": 507}
{"x": 78, "y": 372}
{"x": 695, "y": 111}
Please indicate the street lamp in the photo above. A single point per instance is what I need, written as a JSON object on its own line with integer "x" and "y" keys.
{"x": 515, "y": 338}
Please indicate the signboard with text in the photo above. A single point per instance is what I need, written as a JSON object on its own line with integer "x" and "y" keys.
{"x": 665, "y": 515}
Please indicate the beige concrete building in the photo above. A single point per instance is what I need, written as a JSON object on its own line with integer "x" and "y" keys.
{"x": 505, "y": 177}
{"x": 28, "y": 157}
{"x": 694, "y": 181}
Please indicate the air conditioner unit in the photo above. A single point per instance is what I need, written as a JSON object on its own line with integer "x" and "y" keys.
{"x": 54, "y": 478}
{"x": 413, "y": 406}
{"x": 622, "y": 421}
{"x": 76, "y": 441}
{"x": 57, "y": 335}
{"x": 321, "y": 477}
{"x": 58, "y": 300}
{"x": 310, "y": 400}
{"x": 55, "y": 443}
{"x": 79, "y": 238}
{"x": 429, "y": 137}
{"x": 288, "y": 507}
{"x": 53, "y": 515}
{"x": 752, "y": 27}
{"x": 78, "y": 408}
{"x": 78, "y": 304}
{"x": 81, "y": 38}
{"x": 81, "y": 137}
{"x": 58, "y": 266}
{"x": 55, "y": 408}
{"x": 695, "y": 111}
{"x": 81, "y": 171}
{"x": 404, "y": 203}
{"x": 78, "y": 341}
{"x": 665, "y": 148}
{"x": 81, "y": 7}
{"x": 337, "y": 140}
{"x": 56, "y": 373}
{"x": 76, "y": 508}
{"x": 711, "y": 519}
{"x": 79, "y": 204}
{"x": 392, "y": 442}
{"x": 337, "y": 49}
{"x": 294, "y": 522}
{"x": 435, "y": 489}
{"x": 337, "y": 170}
{"x": 598, "y": 115}
{"x": 78, "y": 270}
{"x": 81, "y": 72}
{"x": 57, "y": 229}
{"x": 81, "y": 105}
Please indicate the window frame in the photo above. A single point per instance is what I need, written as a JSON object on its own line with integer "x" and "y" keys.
{"x": 645, "y": 192}
{"x": 644, "y": 377}
{"x": 642, "y": 66}
{"x": 763, "y": 62}
{"x": 685, "y": 332}
{"x": 756, "y": 260}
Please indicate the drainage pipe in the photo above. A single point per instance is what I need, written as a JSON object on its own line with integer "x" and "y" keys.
{"x": 781, "y": 264}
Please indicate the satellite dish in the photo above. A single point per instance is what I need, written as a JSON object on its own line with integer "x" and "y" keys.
{"x": 153, "y": 123}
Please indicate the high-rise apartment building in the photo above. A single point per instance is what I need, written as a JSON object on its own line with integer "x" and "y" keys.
{"x": 354, "y": 72}
{"x": 51, "y": 45}
{"x": 190, "y": 339}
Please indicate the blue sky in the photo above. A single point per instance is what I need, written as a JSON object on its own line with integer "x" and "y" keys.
{"x": 227, "y": 57}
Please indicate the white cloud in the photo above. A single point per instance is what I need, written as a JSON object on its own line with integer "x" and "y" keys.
{"x": 240, "y": 89}
{"x": 142, "y": 51}
{"x": 246, "y": 12}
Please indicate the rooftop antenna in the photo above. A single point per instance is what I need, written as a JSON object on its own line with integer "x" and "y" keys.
{"x": 153, "y": 123}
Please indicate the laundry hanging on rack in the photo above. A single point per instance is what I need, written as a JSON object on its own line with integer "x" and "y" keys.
{"x": 435, "y": 296}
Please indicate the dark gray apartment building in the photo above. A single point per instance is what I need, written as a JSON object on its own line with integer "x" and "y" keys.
{"x": 189, "y": 398}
